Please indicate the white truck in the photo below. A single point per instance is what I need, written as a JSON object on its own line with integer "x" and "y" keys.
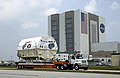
{"x": 76, "y": 61}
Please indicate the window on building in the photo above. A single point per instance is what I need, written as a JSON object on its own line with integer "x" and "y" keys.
{"x": 69, "y": 30}
{"x": 69, "y": 35}
{"x": 55, "y": 36}
{"x": 54, "y": 22}
{"x": 69, "y": 25}
{"x": 69, "y": 40}
{"x": 54, "y": 28}
{"x": 55, "y": 32}
{"x": 68, "y": 20}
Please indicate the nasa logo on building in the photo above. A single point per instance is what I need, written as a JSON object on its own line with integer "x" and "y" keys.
{"x": 102, "y": 28}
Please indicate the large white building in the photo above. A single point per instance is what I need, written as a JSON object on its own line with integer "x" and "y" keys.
{"x": 75, "y": 31}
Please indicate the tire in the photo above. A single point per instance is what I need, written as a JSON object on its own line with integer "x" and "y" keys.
{"x": 58, "y": 67}
{"x": 22, "y": 67}
{"x": 76, "y": 67}
{"x": 18, "y": 67}
{"x": 61, "y": 67}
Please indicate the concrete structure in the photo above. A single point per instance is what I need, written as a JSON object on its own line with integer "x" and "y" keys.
{"x": 75, "y": 31}
{"x": 103, "y": 50}
{"x": 116, "y": 59}
{"x": 106, "y": 46}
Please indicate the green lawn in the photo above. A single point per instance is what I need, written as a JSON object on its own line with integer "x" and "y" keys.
{"x": 105, "y": 67}
{"x": 78, "y": 71}
{"x": 7, "y": 68}
{"x": 90, "y": 67}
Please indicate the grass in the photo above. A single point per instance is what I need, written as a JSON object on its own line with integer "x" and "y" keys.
{"x": 77, "y": 71}
{"x": 90, "y": 67}
{"x": 105, "y": 67}
{"x": 7, "y": 68}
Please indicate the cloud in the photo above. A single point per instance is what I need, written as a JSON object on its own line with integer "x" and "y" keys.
{"x": 30, "y": 24}
{"x": 115, "y": 6}
{"x": 13, "y": 8}
{"x": 7, "y": 9}
{"x": 114, "y": 24}
{"x": 51, "y": 11}
{"x": 91, "y": 6}
{"x": 113, "y": 30}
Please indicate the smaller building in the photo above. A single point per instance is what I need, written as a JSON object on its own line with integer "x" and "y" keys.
{"x": 115, "y": 59}
{"x": 7, "y": 63}
{"x": 102, "y": 51}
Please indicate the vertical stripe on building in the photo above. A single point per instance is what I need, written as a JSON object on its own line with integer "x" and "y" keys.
{"x": 55, "y": 28}
{"x": 83, "y": 23}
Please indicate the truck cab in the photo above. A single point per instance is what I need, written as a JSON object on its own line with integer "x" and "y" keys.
{"x": 76, "y": 61}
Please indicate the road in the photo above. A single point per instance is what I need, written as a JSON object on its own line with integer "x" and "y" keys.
{"x": 48, "y": 74}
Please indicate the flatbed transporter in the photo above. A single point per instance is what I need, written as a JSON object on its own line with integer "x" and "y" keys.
{"x": 40, "y": 52}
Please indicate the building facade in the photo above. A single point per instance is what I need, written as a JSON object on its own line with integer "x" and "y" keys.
{"x": 75, "y": 31}
{"x": 115, "y": 59}
{"x": 106, "y": 52}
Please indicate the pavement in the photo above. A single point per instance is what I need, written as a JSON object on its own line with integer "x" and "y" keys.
{"x": 117, "y": 71}
{"x": 53, "y": 74}
{"x": 103, "y": 71}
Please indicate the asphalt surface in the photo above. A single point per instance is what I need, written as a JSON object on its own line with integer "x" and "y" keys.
{"x": 49, "y": 74}
{"x": 115, "y": 71}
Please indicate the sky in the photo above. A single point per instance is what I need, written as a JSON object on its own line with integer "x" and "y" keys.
{"x": 21, "y": 19}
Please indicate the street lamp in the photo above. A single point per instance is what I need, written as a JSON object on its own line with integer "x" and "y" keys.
{"x": 106, "y": 59}
{"x": 11, "y": 59}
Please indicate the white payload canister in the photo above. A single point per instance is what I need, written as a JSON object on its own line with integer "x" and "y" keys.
{"x": 38, "y": 48}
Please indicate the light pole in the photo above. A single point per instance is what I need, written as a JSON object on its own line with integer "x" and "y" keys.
{"x": 106, "y": 59}
{"x": 11, "y": 59}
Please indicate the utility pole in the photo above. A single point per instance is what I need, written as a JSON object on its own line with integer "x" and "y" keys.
{"x": 11, "y": 59}
{"x": 106, "y": 60}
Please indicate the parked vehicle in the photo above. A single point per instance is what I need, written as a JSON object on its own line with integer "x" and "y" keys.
{"x": 40, "y": 52}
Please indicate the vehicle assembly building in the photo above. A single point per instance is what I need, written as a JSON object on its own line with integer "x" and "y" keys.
{"x": 76, "y": 30}
{"x": 80, "y": 31}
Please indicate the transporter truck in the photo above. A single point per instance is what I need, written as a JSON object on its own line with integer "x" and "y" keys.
{"x": 41, "y": 52}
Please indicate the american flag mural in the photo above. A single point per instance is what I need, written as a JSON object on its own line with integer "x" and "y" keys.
{"x": 83, "y": 23}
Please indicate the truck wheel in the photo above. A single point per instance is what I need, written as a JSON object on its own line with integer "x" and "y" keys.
{"x": 58, "y": 67}
{"x": 61, "y": 67}
{"x": 76, "y": 67}
{"x": 22, "y": 67}
{"x": 17, "y": 67}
